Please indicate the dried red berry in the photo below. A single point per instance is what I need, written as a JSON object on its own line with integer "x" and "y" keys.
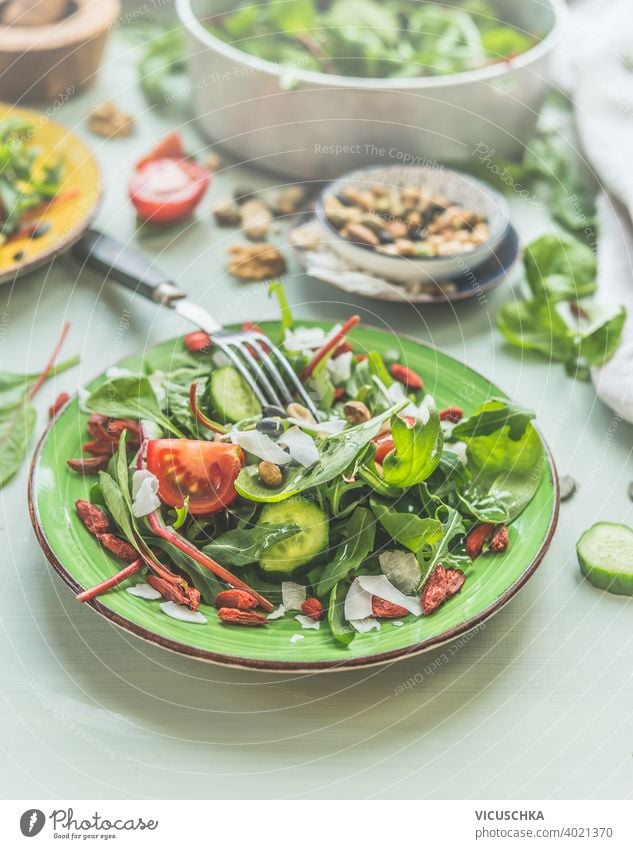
{"x": 116, "y": 427}
{"x": 96, "y": 426}
{"x": 89, "y": 465}
{"x": 170, "y": 591}
{"x": 382, "y": 609}
{"x": 499, "y": 540}
{"x": 313, "y": 608}
{"x": 93, "y": 517}
{"x": 119, "y": 547}
{"x": 406, "y": 376}
{"x": 442, "y": 585}
{"x": 100, "y": 447}
{"x": 239, "y": 599}
{"x": 232, "y": 616}
{"x": 339, "y": 393}
{"x": 451, "y": 414}
{"x": 197, "y": 341}
{"x": 343, "y": 348}
{"x": 477, "y": 537}
{"x": 360, "y": 358}
{"x": 57, "y": 404}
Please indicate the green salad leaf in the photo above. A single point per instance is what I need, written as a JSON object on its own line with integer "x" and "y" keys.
{"x": 17, "y": 424}
{"x": 438, "y": 549}
{"x": 341, "y": 631}
{"x": 490, "y": 417}
{"x": 408, "y": 529}
{"x": 130, "y": 397}
{"x": 357, "y": 544}
{"x": 243, "y": 546}
{"x": 417, "y": 450}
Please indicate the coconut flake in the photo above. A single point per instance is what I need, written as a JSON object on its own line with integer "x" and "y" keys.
{"x": 397, "y": 623}
{"x": 144, "y": 493}
{"x": 150, "y": 430}
{"x": 296, "y": 638}
{"x": 261, "y": 445}
{"x": 381, "y": 587}
{"x": 156, "y": 379}
{"x": 292, "y": 595}
{"x": 308, "y": 623}
{"x": 364, "y": 625}
{"x": 83, "y": 395}
{"x": 301, "y": 446}
{"x": 357, "y": 602}
{"x": 340, "y": 368}
{"x": 303, "y": 338}
{"x": 401, "y": 568}
{"x": 144, "y": 591}
{"x": 184, "y": 614}
{"x": 115, "y": 372}
{"x": 277, "y": 613}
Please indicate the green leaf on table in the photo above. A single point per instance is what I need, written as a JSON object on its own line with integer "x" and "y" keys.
{"x": 129, "y": 397}
{"x": 417, "y": 450}
{"x": 243, "y": 546}
{"x": 559, "y": 268}
{"x": 357, "y": 544}
{"x": 341, "y": 631}
{"x": 600, "y": 333}
{"x": 17, "y": 424}
{"x": 537, "y": 326}
{"x": 336, "y": 454}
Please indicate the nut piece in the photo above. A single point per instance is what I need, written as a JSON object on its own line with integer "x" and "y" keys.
{"x": 227, "y": 214}
{"x": 356, "y": 412}
{"x": 108, "y": 121}
{"x": 270, "y": 474}
{"x": 286, "y": 201}
{"x": 212, "y": 161}
{"x": 256, "y": 262}
{"x": 360, "y": 234}
{"x": 298, "y": 411}
{"x": 256, "y": 220}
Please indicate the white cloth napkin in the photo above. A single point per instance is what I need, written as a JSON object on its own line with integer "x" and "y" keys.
{"x": 592, "y": 66}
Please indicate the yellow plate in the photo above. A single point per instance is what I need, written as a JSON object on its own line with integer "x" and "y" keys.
{"x": 67, "y": 218}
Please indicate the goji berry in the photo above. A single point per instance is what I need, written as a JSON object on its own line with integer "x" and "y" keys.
{"x": 451, "y": 414}
{"x": 249, "y": 618}
{"x": 89, "y": 465}
{"x": 477, "y": 537}
{"x": 382, "y": 609}
{"x": 96, "y": 426}
{"x": 170, "y": 591}
{"x": 313, "y": 608}
{"x": 119, "y": 547}
{"x": 94, "y": 519}
{"x": 499, "y": 540}
{"x": 239, "y": 599}
{"x": 344, "y": 348}
{"x": 116, "y": 427}
{"x": 442, "y": 585}
{"x": 360, "y": 358}
{"x": 57, "y": 404}
{"x": 406, "y": 376}
{"x": 197, "y": 341}
{"x": 339, "y": 393}
{"x": 100, "y": 447}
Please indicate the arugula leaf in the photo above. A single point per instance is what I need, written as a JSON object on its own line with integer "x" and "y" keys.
{"x": 439, "y": 550}
{"x": 341, "y": 631}
{"x": 130, "y": 397}
{"x": 358, "y": 543}
{"x": 17, "y": 424}
{"x": 276, "y": 288}
{"x": 117, "y": 507}
{"x": 336, "y": 454}
{"x": 417, "y": 450}
{"x": 202, "y": 579}
{"x": 241, "y": 547}
{"x": 560, "y": 269}
{"x": 409, "y": 530}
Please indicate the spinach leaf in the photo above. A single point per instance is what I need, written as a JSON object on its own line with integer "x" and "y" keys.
{"x": 243, "y": 546}
{"x": 336, "y": 454}
{"x": 358, "y": 543}
{"x": 341, "y": 631}
{"x": 450, "y": 476}
{"x": 17, "y": 424}
{"x": 492, "y": 416}
{"x": 129, "y": 397}
{"x": 409, "y": 530}
{"x": 417, "y": 450}
{"x": 537, "y": 326}
{"x": 559, "y": 268}
{"x": 600, "y": 333}
{"x": 484, "y": 505}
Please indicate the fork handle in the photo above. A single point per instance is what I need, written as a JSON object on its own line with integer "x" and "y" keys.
{"x": 127, "y": 266}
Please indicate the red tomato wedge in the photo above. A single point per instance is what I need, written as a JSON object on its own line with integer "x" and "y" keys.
{"x": 169, "y": 147}
{"x": 384, "y": 442}
{"x": 204, "y": 471}
{"x": 167, "y": 190}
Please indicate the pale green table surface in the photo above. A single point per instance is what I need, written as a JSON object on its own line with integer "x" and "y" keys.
{"x": 536, "y": 704}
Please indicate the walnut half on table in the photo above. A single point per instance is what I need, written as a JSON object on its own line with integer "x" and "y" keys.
{"x": 258, "y": 261}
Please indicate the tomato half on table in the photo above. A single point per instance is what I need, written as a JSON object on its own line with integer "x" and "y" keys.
{"x": 167, "y": 190}
{"x": 384, "y": 442}
{"x": 203, "y": 471}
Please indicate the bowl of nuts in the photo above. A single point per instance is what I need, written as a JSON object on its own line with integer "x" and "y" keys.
{"x": 413, "y": 223}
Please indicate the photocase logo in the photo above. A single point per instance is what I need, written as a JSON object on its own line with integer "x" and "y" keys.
{"x": 32, "y": 822}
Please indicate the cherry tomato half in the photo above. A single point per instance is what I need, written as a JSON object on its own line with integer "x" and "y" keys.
{"x": 169, "y": 147}
{"x": 167, "y": 190}
{"x": 384, "y": 442}
{"x": 204, "y": 471}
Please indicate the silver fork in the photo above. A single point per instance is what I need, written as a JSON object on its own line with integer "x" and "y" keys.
{"x": 269, "y": 374}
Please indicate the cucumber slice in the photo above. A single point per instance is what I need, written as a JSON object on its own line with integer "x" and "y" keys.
{"x": 605, "y": 555}
{"x": 231, "y": 397}
{"x": 287, "y": 556}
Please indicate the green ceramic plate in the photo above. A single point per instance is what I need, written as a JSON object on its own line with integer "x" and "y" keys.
{"x": 81, "y": 562}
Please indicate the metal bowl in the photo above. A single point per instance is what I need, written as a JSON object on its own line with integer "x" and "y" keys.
{"x": 463, "y": 189}
{"x": 327, "y": 124}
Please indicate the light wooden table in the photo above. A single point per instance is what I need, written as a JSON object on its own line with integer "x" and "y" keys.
{"x": 537, "y": 703}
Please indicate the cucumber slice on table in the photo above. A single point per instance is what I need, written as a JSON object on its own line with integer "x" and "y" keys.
{"x": 605, "y": 554}
{"x": 287, "y": 556}
{"x": 231, "y": 397}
